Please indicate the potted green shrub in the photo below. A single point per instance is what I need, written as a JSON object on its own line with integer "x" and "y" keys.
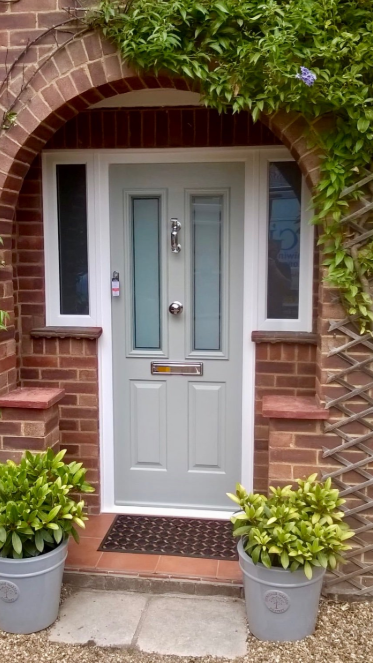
{"x": 37, "y": 516}
{"x": 287, "y": 542}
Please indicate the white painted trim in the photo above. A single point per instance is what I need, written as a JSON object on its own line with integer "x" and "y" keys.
{"x": 150, "y": 98}
{"x": 50, "y": 215}
{"x": 170, "y": 512}
{"x": 101, "y": 257}
{"x": 171, "y": 155}
{"x": 304, "y": 320}
{"x": 251, "y": 260}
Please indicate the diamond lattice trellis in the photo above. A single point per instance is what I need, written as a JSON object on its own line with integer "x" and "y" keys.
{"x": 351, "y": 422}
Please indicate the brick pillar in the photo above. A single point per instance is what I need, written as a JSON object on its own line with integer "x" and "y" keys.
{"x": 295, "y": 437}
{"x": 29, "y": 420}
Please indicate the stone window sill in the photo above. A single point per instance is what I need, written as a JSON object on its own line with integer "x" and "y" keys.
{"x": 67, "y": 332}
{"x": 308, "y": 338}
{"x": 293, "y": 407}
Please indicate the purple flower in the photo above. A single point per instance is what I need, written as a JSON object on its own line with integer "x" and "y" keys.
{"x": 306, "y": 76}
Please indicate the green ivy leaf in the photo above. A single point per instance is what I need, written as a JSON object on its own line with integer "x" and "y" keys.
{"x": 349, "y": 264}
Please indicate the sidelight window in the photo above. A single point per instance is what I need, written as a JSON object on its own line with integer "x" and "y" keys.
{"x": 72, "y": 238}
{"x": 69, "y": 234}
{"x": 286, "y": 248}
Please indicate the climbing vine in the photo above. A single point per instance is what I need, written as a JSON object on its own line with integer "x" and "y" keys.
{"x": 313, "y": 57}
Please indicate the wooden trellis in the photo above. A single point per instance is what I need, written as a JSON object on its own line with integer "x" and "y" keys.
{"x": 351, "y": 420}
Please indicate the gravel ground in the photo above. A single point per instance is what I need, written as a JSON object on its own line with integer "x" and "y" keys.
{"x": 344, "y": 635}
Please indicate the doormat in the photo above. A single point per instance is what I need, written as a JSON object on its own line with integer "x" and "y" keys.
{"x": 184, "y": 537}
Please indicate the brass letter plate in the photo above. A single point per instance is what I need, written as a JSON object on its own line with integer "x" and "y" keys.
{"x": 174, "y": 368}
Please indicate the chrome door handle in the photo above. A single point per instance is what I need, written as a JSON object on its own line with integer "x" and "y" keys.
{"x": 175, "y": 227}
{"x": 175, "y": 308}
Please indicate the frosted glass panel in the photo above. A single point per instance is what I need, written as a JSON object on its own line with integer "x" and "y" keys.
{"x": 285, "y": 184}
{"x": 146, "y": 277}
{"x": 207, "y": 265}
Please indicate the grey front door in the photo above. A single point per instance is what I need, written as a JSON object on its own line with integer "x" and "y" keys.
{"x": 177, "y": 244}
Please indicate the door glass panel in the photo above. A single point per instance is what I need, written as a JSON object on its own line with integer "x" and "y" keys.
{"x": 207, "y": 220}
{"x": 285, "y": 185}
{"x": 72, "y": 238}
{"x": 146, "y": 273}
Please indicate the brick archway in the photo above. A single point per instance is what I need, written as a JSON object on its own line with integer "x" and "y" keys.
{"x": 84, "y": 72}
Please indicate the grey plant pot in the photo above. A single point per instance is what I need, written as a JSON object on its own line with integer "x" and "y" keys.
{"x": 30, "y": 591}
{"x": 281, "y": 606}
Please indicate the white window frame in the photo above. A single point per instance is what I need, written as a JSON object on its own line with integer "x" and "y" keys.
{"x": 52, "y": 268}
{"x": 304, "y": 321}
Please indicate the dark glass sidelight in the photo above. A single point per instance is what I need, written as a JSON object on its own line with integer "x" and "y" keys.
{"x": 284, "y": 228}
{"x": 73, "y": 238}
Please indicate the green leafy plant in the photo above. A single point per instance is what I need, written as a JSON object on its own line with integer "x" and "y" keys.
{"x": 293, "y": 529}
{"x": 9, "y": 120}
{"x": 306, "y": 56}
{"x": 36, "y": 509}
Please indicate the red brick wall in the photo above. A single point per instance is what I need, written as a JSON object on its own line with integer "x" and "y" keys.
{"x": 22, "y": 21}
{"x": 295, "y": 449}
{"x": 28, "y": 257}
{"x": 27, "y": 428}
{"x": 70, "y": 364}
{"x": 281, "y": 369}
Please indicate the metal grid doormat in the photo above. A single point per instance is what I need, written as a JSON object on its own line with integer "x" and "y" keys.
{"x": 186, "y": 537}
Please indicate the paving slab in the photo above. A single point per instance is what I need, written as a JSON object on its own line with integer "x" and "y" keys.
{"x": 108, "y": 619}
{"x": 168, "y": 624}
{"x": 184, "y": 626}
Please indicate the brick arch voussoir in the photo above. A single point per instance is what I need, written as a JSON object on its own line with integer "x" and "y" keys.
{"x": 89, "y": 70}
{"x": 293, "y": 131}
{"x": 83, "y": 73}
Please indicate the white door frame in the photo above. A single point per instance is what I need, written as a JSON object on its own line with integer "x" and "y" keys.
{"x": 183, "y": 155}
{"x": 101, "y": 227}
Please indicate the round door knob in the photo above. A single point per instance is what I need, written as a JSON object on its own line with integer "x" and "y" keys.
{"x": 175, "y": 308}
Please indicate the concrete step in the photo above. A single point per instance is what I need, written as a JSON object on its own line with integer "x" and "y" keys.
{"x": 130, "y": 583}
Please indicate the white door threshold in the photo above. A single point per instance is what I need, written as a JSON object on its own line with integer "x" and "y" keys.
{"x": 168, "y": 511}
